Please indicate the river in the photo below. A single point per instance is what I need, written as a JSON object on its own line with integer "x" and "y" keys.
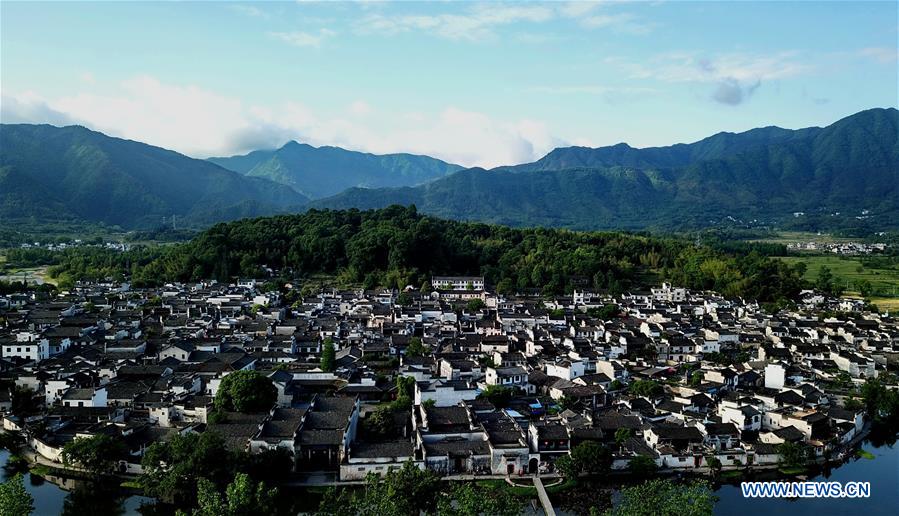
{"x": 882, "y": 472}
{"x": 80, "y": 499}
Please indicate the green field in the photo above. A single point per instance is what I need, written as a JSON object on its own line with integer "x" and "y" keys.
{"x": 849, "y": 271}
{"x": 786, "y": 237}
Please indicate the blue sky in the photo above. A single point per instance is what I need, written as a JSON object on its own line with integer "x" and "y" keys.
{"x": 474, "y": 83}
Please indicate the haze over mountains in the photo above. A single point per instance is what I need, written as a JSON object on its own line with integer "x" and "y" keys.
{"x": 325, "y": 171}
{"x": 850, "y": 167}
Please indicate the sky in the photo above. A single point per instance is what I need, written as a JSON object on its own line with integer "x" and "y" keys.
{"x": 474, "y": 83}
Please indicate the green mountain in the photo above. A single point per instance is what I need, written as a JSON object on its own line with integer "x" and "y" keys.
{"x": 324, "y": 171}
{"x": 766, "y": 175}
{"x": 71, "y": 173}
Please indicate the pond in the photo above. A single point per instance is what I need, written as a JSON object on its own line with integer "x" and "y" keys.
{"x": 882, "y": 472}
{"x": 79, "y": 497}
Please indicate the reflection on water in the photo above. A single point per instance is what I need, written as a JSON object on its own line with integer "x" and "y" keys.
{"x": 882, "y": 472}
{"x": 57, "y": 495}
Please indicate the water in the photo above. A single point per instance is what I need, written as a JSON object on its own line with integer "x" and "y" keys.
{"x": 80, "y": 499}
{"x": 882, "y": 472}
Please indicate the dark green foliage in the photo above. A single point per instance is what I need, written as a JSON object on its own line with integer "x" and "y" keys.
{"x": 765, "y": 173}
{"x": 405, "y": 491}
{"x": 587, "y": 458}
{"x": 74, "y": 174}
{"x": 385, "y": 247}
{"x": 243, "y": 497}
{"x": 474, "y": 305}
{"x": 97, "y": 454}
{"x": 328, "y": 356}
{"x": 464, "y": 499}
{"x": 323, "y": 171}
{"x": 647, "y": 388}
{"x": 882, "y": 403}
{"x": 14, "y": 499}
{"x": 416, "y": 348}
{"x": 642, "y": 466}
{"x": 665, "y": 498}
{"x": 794, "y": 455}
{"x": 605, "y": 313}
{"x": 246, "y": 391}
{"x": 622, "y": 435}
{"x": 173, "y": 468}
{"x": 498, "y": 395}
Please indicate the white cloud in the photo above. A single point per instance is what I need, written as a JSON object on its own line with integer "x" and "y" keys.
{"x": 881, "y": 54}
{"x": 608, "y": 92}
{"x": 248, "y": 10}
{"x": 475, "y": 24}
{"x": 482, "y": 20}
{"x": 736, "y": 76}
{"x": 304, "y": 39}
{"x": 203, "y": 123}
{"x": 360, "y": 108}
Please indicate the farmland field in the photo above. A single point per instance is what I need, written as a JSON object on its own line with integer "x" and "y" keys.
{"x": 850, "y": 271}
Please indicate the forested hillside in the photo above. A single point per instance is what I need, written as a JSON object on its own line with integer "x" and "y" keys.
{"x": 71, "y": 173}
{"x": 324, "y": 171}
{"x": 398, "y": 246}
{"x": 841, "y": 176}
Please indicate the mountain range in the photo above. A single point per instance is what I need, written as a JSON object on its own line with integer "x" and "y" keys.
{"x": 845, "y": 173}
{"x": 325, "y": 171}
{"x": 52, "y": 173}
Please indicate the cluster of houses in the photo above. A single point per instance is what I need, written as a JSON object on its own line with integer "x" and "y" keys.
{"x": 847, "y": 248}
{"x": 503, "y": 386}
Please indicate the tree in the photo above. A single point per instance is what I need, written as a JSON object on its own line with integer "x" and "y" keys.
{"x": 408, "y": 490}
{"x": 882, "y": 403}
{"x": 416, "y": 348}
{"x": 696, "y": 379}
{"x": 404, "y": 299}
{"x": 647, "y": 388}
{"x": 793, "y": 455}
{"x": 642, "y": 466}
{"x": 243, "y": 497}
{"x": 622, "y": 435}
{"x": 475, "y": 305}
{"x": 464, "y": 499}
{"x": 498, "y": 395}
{"x": 713, "y": 463}
{"x": 665, "y": 498}
{"x": 328, "y": 356}
{"x": 14, "y": 499}
{"x": 173, "y": 468}
{"x": 97, "y": 454}
{"x": 247, "y": 392}
{"x": 587, "y": 458}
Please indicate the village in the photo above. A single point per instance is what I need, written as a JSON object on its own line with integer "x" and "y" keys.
{"x": 494, "y": 386}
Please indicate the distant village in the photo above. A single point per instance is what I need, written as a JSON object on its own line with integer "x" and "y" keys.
{"x": 722, "y": 383}
{"x": 845, "y": 248}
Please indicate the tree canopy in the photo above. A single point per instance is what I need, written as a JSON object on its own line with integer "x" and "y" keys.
{"x": 246, "y": 391}
{"x": 661, "y": 497}
{"x": 97, "y": 454}
{"x": 14, "y": 499}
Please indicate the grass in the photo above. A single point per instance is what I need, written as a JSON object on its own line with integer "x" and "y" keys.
{"x": 865, "y": 454}
{"x": 731, "y": 474}
{"x": 793, "y": 471}
{"x": 785, "y": 237}
{"x": 131, "y": 484}
{"x": 848, "y": 271}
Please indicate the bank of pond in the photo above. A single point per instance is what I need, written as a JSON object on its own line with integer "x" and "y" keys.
{"x": 876, "y": 462}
